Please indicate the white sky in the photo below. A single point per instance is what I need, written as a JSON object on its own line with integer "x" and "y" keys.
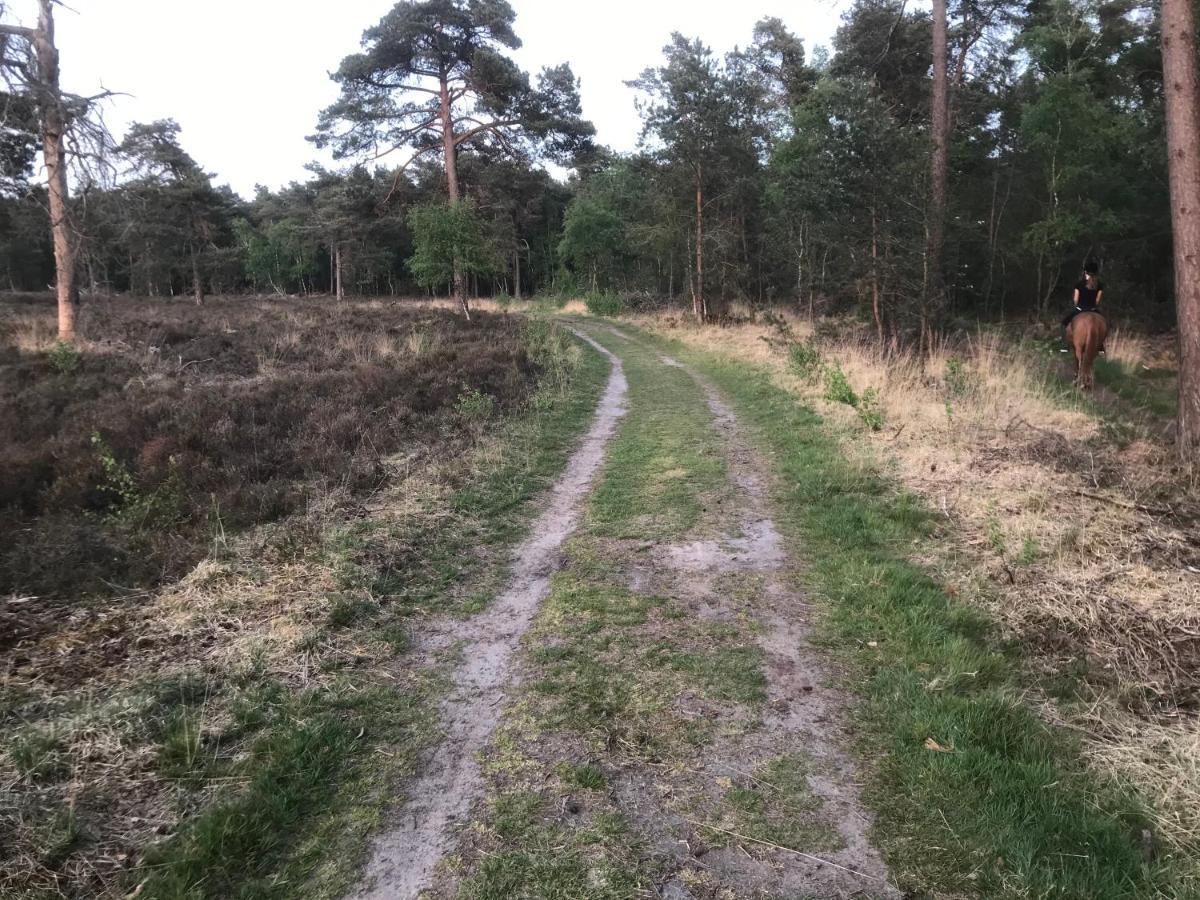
{"x": 245, "y": 79}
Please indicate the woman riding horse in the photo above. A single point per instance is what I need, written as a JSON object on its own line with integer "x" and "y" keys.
{"x": 1088, "y": 294}
{"x": 1085, "y": 329}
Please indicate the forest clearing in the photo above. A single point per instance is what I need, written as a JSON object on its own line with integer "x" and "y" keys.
{"x": 493, "y": 512}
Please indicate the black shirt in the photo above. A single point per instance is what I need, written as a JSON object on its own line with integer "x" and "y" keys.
{"x": 1087, "y": 295}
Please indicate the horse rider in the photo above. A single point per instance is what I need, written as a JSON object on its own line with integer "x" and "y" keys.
{"x": 1089, "y": 291}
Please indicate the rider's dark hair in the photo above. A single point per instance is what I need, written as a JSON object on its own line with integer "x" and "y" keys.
{"x": 1091, "y": 267}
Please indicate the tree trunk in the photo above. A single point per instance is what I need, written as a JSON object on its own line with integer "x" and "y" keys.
{"x": 516, "y": 273}
{"x": 1182, "y": 86}
{"x": 938, "y": 173}
{"x": 197, "y": 283}
{"x": 451, "y": 158}
{"x": 339, "y": 291}
{"x": 698, "y": 295}
{"x": 54, "y": 124}
{"x": 875, "y": 276}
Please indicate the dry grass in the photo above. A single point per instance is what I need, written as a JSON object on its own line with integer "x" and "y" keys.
{"x": 255, "y": 613}
{"x": 1084, "y": 548}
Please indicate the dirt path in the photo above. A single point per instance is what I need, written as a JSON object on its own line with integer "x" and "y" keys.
{"x": 666, "y": 728}
{"x": 404, "y": 854}
{"x": 803, "y": 710}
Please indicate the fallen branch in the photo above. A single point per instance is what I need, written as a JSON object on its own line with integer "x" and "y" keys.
{"x": 744, "y": 837}
{"x": 1125, "y": 504}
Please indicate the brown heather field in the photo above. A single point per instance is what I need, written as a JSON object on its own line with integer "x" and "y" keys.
{"x": 173, "y": 424}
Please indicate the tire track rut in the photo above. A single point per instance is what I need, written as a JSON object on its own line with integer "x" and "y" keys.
{"x": 403, "y": 855}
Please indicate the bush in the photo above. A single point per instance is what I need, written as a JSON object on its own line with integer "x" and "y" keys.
{"x": 804, "y": 360}
{"x": 553, "y": 352}
{"x": 837, "y": 386}
{"x": 64, "y": 358}
{"x": 838, "y": 390}
{"x": 474, "y": 406}
{"x": 868, "y": 409}
{"x": 604, "y": 304}
{"x": 957, "y": 378}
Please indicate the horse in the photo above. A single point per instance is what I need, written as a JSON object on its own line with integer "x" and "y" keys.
{"x": 1085, "y": 336}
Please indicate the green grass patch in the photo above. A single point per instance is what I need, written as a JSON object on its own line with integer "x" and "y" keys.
{"x": 601, "y": 304}
{"x": 1150, "y": 390}
{"x": 595, "y": 861}
{"x": 588, "y": 776}
{"x": 727, "y": 672}
{"x": 777, "y": 806}
{"x": 587, "y": 655}
{"x": 38, "y": 754}
{"x": 664, "y": 467}
{"x": 999, "y": 804}
{"x": 301, "y": 766}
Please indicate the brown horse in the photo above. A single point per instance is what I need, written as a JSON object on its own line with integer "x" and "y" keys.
{"x": 1085, "y": 336}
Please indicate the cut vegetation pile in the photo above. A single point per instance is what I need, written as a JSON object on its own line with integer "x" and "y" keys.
{"x": 319, "y": 477}
{"x": 1067, "y": 519}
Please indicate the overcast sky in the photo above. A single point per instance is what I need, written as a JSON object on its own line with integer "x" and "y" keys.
{"x": 245, "y": 79}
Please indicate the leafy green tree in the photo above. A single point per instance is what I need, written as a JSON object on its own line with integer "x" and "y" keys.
{"x": 345, "y": 212}
{"x": 593, "y": 237}
{"x": 26, "y": 249}
{"x": 18, "y": 142}
{"x": 842, "y": 200}
{"x": 449, "y": 242}
{"x": 889, "y": 47}
{"x": 777, "y": 74}
{"x": 433, "y": 77}
{"x": 692, "y": 112}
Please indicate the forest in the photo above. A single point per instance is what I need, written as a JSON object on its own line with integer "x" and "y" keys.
{"x": 775, "y": 174}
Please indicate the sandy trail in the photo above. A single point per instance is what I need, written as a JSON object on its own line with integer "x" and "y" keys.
{"x": 404, "y": 854}
{"x": 804, "y": 708}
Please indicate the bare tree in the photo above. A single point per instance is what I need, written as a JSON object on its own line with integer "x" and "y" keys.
{"x": 1181, "y": 83}
{"x": 29, "y": 59}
